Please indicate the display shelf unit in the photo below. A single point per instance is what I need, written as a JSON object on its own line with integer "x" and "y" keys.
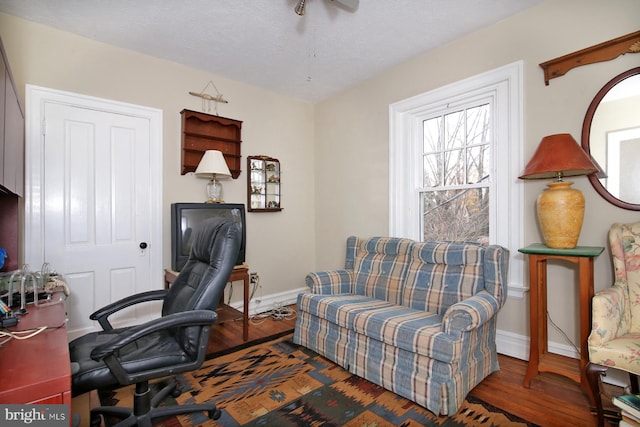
{"x": 263, "y": 184}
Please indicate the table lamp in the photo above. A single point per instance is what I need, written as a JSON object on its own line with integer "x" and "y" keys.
{"x": 214, "y": 166}
{"x": 560, "y": 208}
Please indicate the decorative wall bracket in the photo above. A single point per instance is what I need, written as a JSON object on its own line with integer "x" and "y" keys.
{"x": 606, "y": 51}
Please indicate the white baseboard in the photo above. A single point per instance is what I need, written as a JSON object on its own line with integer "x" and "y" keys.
{"x": 263, "y": 303}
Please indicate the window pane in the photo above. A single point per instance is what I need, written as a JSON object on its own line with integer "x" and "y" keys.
{"x": 454, "y": 130}
{"x": 478, "y": 164}
{"x": 432, "y": 138}
{"x": 478, "y": 125}
{"x": 458, "y": 215}
{"x": 454, "y": 167}
{"x": 432, "y": 170}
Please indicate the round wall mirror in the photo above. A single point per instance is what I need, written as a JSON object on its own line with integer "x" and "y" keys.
{"x": 611, "y": 135}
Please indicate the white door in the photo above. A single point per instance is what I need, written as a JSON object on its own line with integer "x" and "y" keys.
{"x": 96, "y": 204}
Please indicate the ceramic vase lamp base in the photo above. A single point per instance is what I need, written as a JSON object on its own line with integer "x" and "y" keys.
{"x": 560, "y": 211}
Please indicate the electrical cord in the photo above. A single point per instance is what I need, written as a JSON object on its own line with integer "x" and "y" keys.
{"x": 278, "y": 313}
{"x": 255, "y": 279}
{"x": 30, "y": 333}
{"x": 557, "y": 328}
{"x": 25, "y": 333}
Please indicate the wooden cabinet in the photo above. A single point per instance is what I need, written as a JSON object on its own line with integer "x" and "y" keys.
{"x": 11, "y": 132}
{"x": 3, "y": 89}
{"x": 263, "y": 184}
{"x": 11, "y": 164}
{"x": 13, "y": 142}
{"x": 202, "y": 132}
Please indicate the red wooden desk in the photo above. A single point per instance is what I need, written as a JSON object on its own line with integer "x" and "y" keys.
{"x": 37, "y": 370}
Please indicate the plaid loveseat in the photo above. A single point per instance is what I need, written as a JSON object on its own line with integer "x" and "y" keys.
{"x": 418, "y": 319}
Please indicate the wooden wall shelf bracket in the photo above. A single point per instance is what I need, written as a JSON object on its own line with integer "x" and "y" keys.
{"x": 606, "y": 51}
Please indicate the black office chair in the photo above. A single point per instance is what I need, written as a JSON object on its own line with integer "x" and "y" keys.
{"x": 173, "y": 343}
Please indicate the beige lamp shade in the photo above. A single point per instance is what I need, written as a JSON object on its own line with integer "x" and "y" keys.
{"x": 213, "y": 166}
{"x": 560, "y": 208}
{"x": 213, "y": 162}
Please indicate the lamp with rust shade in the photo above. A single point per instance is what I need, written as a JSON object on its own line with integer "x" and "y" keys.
{"x": 560, "y": 207}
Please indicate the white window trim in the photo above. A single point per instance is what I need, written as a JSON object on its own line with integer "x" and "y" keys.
{"x": 505, "y": 84}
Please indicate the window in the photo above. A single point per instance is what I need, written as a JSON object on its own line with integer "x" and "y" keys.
{"x": 455, "y": 156}
{"x": 456, "y": 177}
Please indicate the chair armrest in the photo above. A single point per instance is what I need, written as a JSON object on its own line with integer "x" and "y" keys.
{"x": 607, "y": 315}
{"x": 185, "y": 318}
{"x": 470, "y": 313}
{"x": 102, "y": 314}
{"x": 330, "y": 282}
{"x": 108, "y": 352}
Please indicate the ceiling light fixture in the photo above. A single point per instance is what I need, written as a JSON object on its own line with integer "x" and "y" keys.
{"x": 351, "y": 5}
{"x": 300, "y": 7}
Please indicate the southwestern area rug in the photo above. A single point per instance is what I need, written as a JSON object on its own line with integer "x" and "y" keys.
{"x": 281, "y": 384}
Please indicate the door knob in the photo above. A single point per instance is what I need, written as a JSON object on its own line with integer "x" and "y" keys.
{"x": 143, "y": 245}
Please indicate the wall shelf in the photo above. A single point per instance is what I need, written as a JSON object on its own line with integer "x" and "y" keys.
{"x": 202, "y": 132}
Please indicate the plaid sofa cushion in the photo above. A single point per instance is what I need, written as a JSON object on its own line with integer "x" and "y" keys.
{"x": 413, "y": 330}
{"x": 340, "y": 309}
{"x": 416, "y": 331}
{"x": 380, "y": 265}
{"x": 442, "y": 274}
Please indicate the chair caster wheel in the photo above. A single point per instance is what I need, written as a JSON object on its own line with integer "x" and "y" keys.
{"x": 214, "y": 415}
{"x": 176, "y": 392}
{"x": 96, "y": 421}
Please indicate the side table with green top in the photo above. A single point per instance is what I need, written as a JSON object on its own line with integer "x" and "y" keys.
{"x": 540, "y": 360}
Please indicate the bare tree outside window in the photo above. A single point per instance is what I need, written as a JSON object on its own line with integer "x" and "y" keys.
{"x": 456, "y": 175}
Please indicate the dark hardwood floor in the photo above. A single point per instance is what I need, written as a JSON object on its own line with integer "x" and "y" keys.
{"x": 227, "y": 335}
{"x": 552, "y": 400}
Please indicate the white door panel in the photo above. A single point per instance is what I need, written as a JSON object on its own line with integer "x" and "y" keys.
{"x": 97, "y": 206}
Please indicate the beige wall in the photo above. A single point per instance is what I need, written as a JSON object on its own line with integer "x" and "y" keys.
{"x": 335, "y": 154}
{"x": 279, "y": 245}
{"x": 352, "y": 132}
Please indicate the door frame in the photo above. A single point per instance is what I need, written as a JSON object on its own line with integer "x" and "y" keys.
{"x": 36, "y": 98}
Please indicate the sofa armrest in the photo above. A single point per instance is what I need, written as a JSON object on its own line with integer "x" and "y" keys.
{"x": 470, "y": 313}
{"x": 330, "y": 282}
{"x": 608, "y": 315}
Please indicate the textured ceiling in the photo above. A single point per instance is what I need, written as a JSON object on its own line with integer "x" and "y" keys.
{"x": 264, "y": 43}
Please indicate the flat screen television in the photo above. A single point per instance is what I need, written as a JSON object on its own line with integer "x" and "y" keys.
{"x": 187, "y": 217}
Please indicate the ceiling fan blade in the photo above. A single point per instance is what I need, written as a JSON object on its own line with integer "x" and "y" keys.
{"x": 350, "y": 4}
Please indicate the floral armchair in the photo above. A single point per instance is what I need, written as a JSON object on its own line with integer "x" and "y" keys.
{"x": 615, "y": 334}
